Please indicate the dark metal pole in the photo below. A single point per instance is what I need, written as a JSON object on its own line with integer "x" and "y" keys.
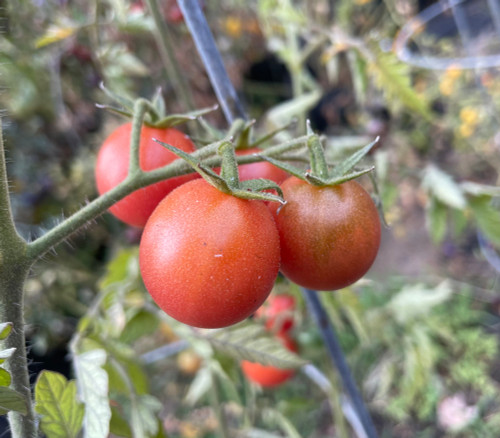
{"x": 333, "y": 346}
{"x": 205, "y": 44}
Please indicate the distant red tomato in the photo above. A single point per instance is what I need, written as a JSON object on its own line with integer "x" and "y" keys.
{"x": 112, "y": 168}
{"x": 261, "y": 169}
{"x": 269, "y": 376}
{"x": 277, "y": 312}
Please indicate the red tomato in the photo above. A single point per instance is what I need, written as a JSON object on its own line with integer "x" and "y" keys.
{"x": 209, "y": 259}
{"x": 277, "y": 311}
{"x": 266, "y": 375}
{"x": 329, "y": 236}
{"x": 112, "y": 168}
{"x": 261, "y": 169}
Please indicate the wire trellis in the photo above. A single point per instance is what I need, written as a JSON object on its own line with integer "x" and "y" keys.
{"x": 463, "y": 34}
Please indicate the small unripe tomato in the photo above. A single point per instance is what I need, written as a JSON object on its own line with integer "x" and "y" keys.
{"x": 113, "y": 162}
{"x": 266, "y": 375}
{"x": 207, "y": 258}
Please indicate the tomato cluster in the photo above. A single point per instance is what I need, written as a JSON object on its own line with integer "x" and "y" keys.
{"x": 210, "y": 259}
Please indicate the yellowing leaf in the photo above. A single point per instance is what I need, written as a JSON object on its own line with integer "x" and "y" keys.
{"x": 54, "y": 34}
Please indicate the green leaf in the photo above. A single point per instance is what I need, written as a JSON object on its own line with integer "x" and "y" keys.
{"x": 274, "y": 416}
{"x": 93, "y": 386}
{"x": 5, "y": 354}
{"x": 11, "y": 400}
{"x": 122, "y": 267}
{"x": 487, "y": 217}
{"x": 252, "y": 342}
{"x": 437, "y": 220}
{"x": 5, "y": 328}
{"x": 443, "y": 187}
{"x": 393, "y": 77}
{"x": 201, "y": 384}
{"x": 118, "y": 425}
{"x": 141, "y": 324}
{"x": 415, "y": 301}
{"x": 56, "y": 402}
{"x": 5, "y": 378}
{"x": 475, "y": 189}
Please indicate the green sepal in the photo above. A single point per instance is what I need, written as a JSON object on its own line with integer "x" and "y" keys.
{"x": 351, "y": 161}
{"x": 176, "y": 119}
{"x": 124, "y": 102}
{"x": 349, "y": 176}
{"x": 292, "y": 170}
{"x": 271, "y": 134}
{"x": 228, "y": 182}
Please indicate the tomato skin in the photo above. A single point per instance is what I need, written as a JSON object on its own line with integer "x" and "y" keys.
{"x": 329, "y": 236}
{"x": 209, "y": 259}
{"x": 261, "y": 169}
{"x": 277, "y": 312}
{"x": 266, "y": 375}
{"x": 112, "y": 168}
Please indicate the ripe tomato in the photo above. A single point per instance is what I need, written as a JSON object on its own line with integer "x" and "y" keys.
{"x": 329, "y": 236}
{"x": 112, "y": 168}
{"x": 266, "y": 375}
{"x": 261, "y": 169}
{"x": 277, "y": 312}
{"x": 209, "y": 259}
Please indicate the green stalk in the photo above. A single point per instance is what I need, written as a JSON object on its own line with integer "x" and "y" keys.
{"x": 167, "y": 54}
{"x": 14, "y": 268}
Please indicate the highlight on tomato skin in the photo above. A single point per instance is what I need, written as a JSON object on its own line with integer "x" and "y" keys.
{"x": 209, "y": 259}
{"x": 329, "y": 235}
{"x": 268, "y": 376}
{"x": 112, "y": 168}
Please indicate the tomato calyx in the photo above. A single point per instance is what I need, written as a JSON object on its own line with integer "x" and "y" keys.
{"x": 319, "y": 173}
{"x": 156, "y": 113}
{"x": 228, "y": 181}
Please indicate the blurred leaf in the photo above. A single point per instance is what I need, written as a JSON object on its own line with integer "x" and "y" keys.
{"x": 122, "y": 267}
{"x": 93, "y": 388}
{"x": 487, "y": 217}
{"x": 475, "y": 189}
{"x": 441, "y": 185}
{"x": 118, "y": 425}
{"x": 274, "y": 416}
{"x": 201, "y": 384}
{"x": 227, "y": 384}
{"x": 5, "y": 378}
{"x": 56, "y": 402}
{"x": 393, "y": 77}
{"x": 284, "y": 112}
{"x": 5, "y": 328}
{"x": 359, "y": 75}
{"x": 437, "y": 220}
{"x": 148, "y": 408}
{"x": 142, "y": 323}
{"x": 252, "y": 342}
{"x": 54, "y": 34}
{"x": 11, "y": 400}
{"x": 414, "y": 301}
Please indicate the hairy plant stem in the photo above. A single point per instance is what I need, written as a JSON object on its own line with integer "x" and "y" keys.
{"x": 14, "y": 268}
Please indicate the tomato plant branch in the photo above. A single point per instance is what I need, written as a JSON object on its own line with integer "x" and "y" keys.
{"x": 335, "y": 351}
{"x": 14, "y": 268}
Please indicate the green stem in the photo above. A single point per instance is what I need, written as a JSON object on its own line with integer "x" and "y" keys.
{"x": 14, "y": 268}
{"x": 167, "y": 54}
{"x": 141, "y": 106}
{"x": 217, "y": 407}
{"x": 229, "y": 168}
